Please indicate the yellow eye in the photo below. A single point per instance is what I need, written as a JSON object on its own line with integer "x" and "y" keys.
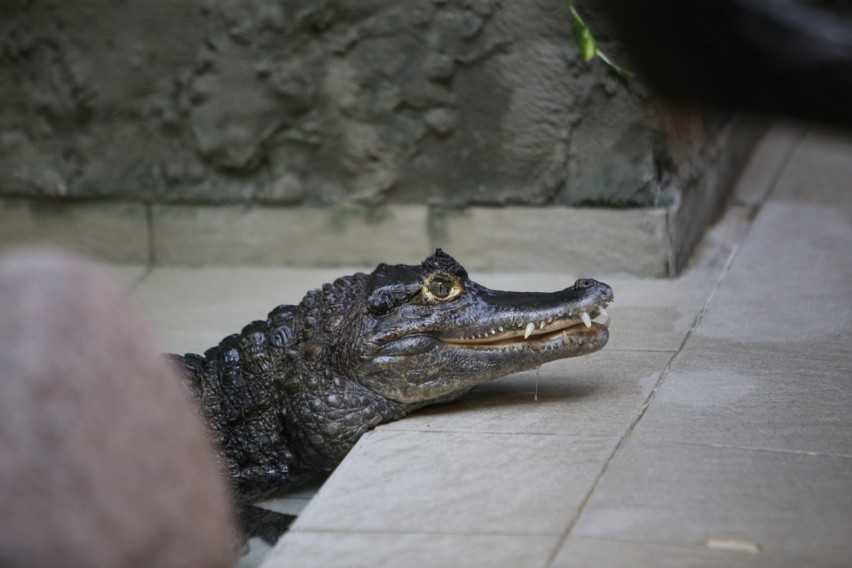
{"x": 441, "y": 287}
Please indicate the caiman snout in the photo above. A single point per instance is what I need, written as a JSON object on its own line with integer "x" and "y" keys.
{"x": 604, "y": 290}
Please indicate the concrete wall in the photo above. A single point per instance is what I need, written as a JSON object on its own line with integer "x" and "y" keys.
{"x": 437, "y": 103}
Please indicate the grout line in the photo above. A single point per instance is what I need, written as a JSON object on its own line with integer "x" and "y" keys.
{"x": 648, "y": 401}
{"x": 768, "y": 450}
{"x": 782, "y": 169}
{"x": 320, "y": 530}
{"x": 648, "y": 543}
{"x": 147, "y": 270}
{"x": 388, "y": 427}
{"x": 149, "y": 223}
{"x": 671, "y": 254}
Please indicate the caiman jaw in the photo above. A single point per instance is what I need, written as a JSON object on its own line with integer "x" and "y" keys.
{"x": 569, "y": 329}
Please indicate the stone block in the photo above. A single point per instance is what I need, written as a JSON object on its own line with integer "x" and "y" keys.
{"x": 336, "y": 236}
{"x": 105, "y": 231}
{"x": 705, "y": 182}
{"x": 579, "y": 240}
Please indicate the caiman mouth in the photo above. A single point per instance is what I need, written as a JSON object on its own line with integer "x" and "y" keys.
{"x": 571, "y": 329}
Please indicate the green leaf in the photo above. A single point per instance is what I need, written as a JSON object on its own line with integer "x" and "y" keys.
{"x": 583, "y": 36}
{"x": 587, "y": 44}
{"x": 618, "y": 69}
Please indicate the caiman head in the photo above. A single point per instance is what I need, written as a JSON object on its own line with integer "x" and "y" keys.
{"x": 431, "y": 333}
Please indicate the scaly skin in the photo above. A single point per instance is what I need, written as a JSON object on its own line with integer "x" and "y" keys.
{"x": 288, "y": 397}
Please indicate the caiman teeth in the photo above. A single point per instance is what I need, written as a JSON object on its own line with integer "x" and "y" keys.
{"x": 541, "y": 333}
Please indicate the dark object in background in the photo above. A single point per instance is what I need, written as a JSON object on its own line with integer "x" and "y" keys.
{"x": 770, "y": 57}
{"x": 103, "y": 461}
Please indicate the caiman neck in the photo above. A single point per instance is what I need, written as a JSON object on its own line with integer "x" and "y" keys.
{"x": 327, "y": 411}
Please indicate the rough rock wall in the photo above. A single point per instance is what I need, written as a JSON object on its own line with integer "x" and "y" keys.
{"x": 322, "y": 102}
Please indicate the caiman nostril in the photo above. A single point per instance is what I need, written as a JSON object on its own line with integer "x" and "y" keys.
{"x": 584, "y": 283}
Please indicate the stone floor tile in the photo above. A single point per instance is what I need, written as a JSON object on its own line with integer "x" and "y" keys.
{"x": 819, "y": 171}
{"x": 258, "y": 552}
{"x": 599, "y": 394}
{"x": 246, "y": 235}
{"x": 655, "y": 315}
{"x": 768, "y": 162}
{"x": 458, "y": 483}
{"x": 295, "y": 502}
{"x": 755, "y": 396}
{"x": 195, "y": 308}
{"x": 594, "y": 553}
{"x": 787, "y": 283}
{"x": 769, "y": 366}
{"x": 686, "y": 495}
{"x": 370, "y": 550}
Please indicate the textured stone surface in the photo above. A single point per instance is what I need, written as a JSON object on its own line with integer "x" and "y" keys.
{"x": 327, "y": 102}
{"x": 105, "y": 231}
{"x": 339, "y": 103}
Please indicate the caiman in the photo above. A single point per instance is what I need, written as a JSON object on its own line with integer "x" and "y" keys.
{"x": 288, "y": 397}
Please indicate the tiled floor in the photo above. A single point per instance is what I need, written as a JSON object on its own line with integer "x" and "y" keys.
{"x": 714, "y": 430}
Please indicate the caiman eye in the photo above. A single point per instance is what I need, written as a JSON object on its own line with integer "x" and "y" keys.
{"x": 441, "y": 288}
